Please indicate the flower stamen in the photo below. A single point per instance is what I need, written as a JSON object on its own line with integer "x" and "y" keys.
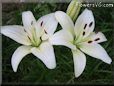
{"x": 45, "y": 31}
{"x": 41, "y": 24}
{"x": 85, "y": 26}
{"x": 90, "y": 41}
{"x": 90, "y": 24}
{"x": 83, "y": 33}
{"x": 97, "y": 39}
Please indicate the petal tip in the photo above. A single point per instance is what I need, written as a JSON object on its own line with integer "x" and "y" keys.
{"x": 15, "y": 70}
{"x": 77, "y": 75}
{"x": 59, "y": 14}
{"x": 13, "y": 66}
{"x": 26, "y": 12}
{"x": 52, "y": 67}
{"x": 87, "y": 10}
{"x": 109, "y": 61}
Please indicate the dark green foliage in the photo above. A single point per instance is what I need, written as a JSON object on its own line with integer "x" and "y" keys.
{"x": 32, "y": 70}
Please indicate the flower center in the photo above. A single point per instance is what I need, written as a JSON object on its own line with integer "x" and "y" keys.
{"x": 36, "y": 38}
{"x": 36, "y": 41}
{"x": 78, "y": 41}
{"x": 32, "y": 36}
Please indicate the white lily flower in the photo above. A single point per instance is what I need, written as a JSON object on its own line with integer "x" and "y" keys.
{"x": 80, "y": 38}
{"x": 34, "y": 37}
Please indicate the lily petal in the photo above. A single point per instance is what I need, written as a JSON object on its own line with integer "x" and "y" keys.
{"x": 46, "y": 54}
{"x": 38, "y": 30}
{"x": 28, "y": 18}
{"x": 18, "y": 56}
{"x": 65, "y": 21}
{"x": 63, "y": 37}
{"x": 85, "y": 24}
{"x": 16, "y": 33}
{"x": 79, "y": 62}
{"x": 97, "y": 38}
{"x": 96, "y": 51}
{"x": 48, "y": 23}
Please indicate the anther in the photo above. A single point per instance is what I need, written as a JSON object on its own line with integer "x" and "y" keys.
{"x": 85, "y": 26}
{"x": 28, "y": 37}
{"x": 97, "y": 39}
{"x": 90, "y": 24}
{"x": 45, "y": 31}
{"x": 89, "y": 41}
{"x": 41, "y": 24}
{"x": 83, "y": 33}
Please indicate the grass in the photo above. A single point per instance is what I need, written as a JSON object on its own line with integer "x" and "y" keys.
{"x": 32, "y": 71}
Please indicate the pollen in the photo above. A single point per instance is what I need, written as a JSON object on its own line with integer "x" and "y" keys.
{"x": 85, "y": 26}
{"x": 90, "y": 24}
{"x": 45, "y": 31}
{"x": 89, "y": 41}
{"x": 97, "y": 39}
{"x": 41, "y": 24}
{"x": 83, "y": 33}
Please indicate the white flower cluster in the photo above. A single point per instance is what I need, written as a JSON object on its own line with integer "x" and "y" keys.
{"x": 38, "y": 38}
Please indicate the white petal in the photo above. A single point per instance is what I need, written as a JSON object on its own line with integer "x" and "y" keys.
{"x": 79, "y": 62}
{"x": 62, "y": 37}
{"x": 28, "y": 18}
{"x": 18, "y": 56}
{"x": 65, "y": 21}
{"x": 46, "y": 54}
{"x": 38, "y": 30}
{"x": 28, "y": 22}
{"x": 48, "y": 23}
{"x": 16, "y": 33}
{"x": 85, "y": 24}
{"x": 97, "y": 38}
{"x": 95, "y": 50}
{"x": 45, "y": 37}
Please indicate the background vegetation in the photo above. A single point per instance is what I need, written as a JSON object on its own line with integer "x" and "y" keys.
{"x": 32, "y": 71}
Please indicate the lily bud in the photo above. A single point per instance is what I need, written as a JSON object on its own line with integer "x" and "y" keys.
{"x": 74, "y": 9}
